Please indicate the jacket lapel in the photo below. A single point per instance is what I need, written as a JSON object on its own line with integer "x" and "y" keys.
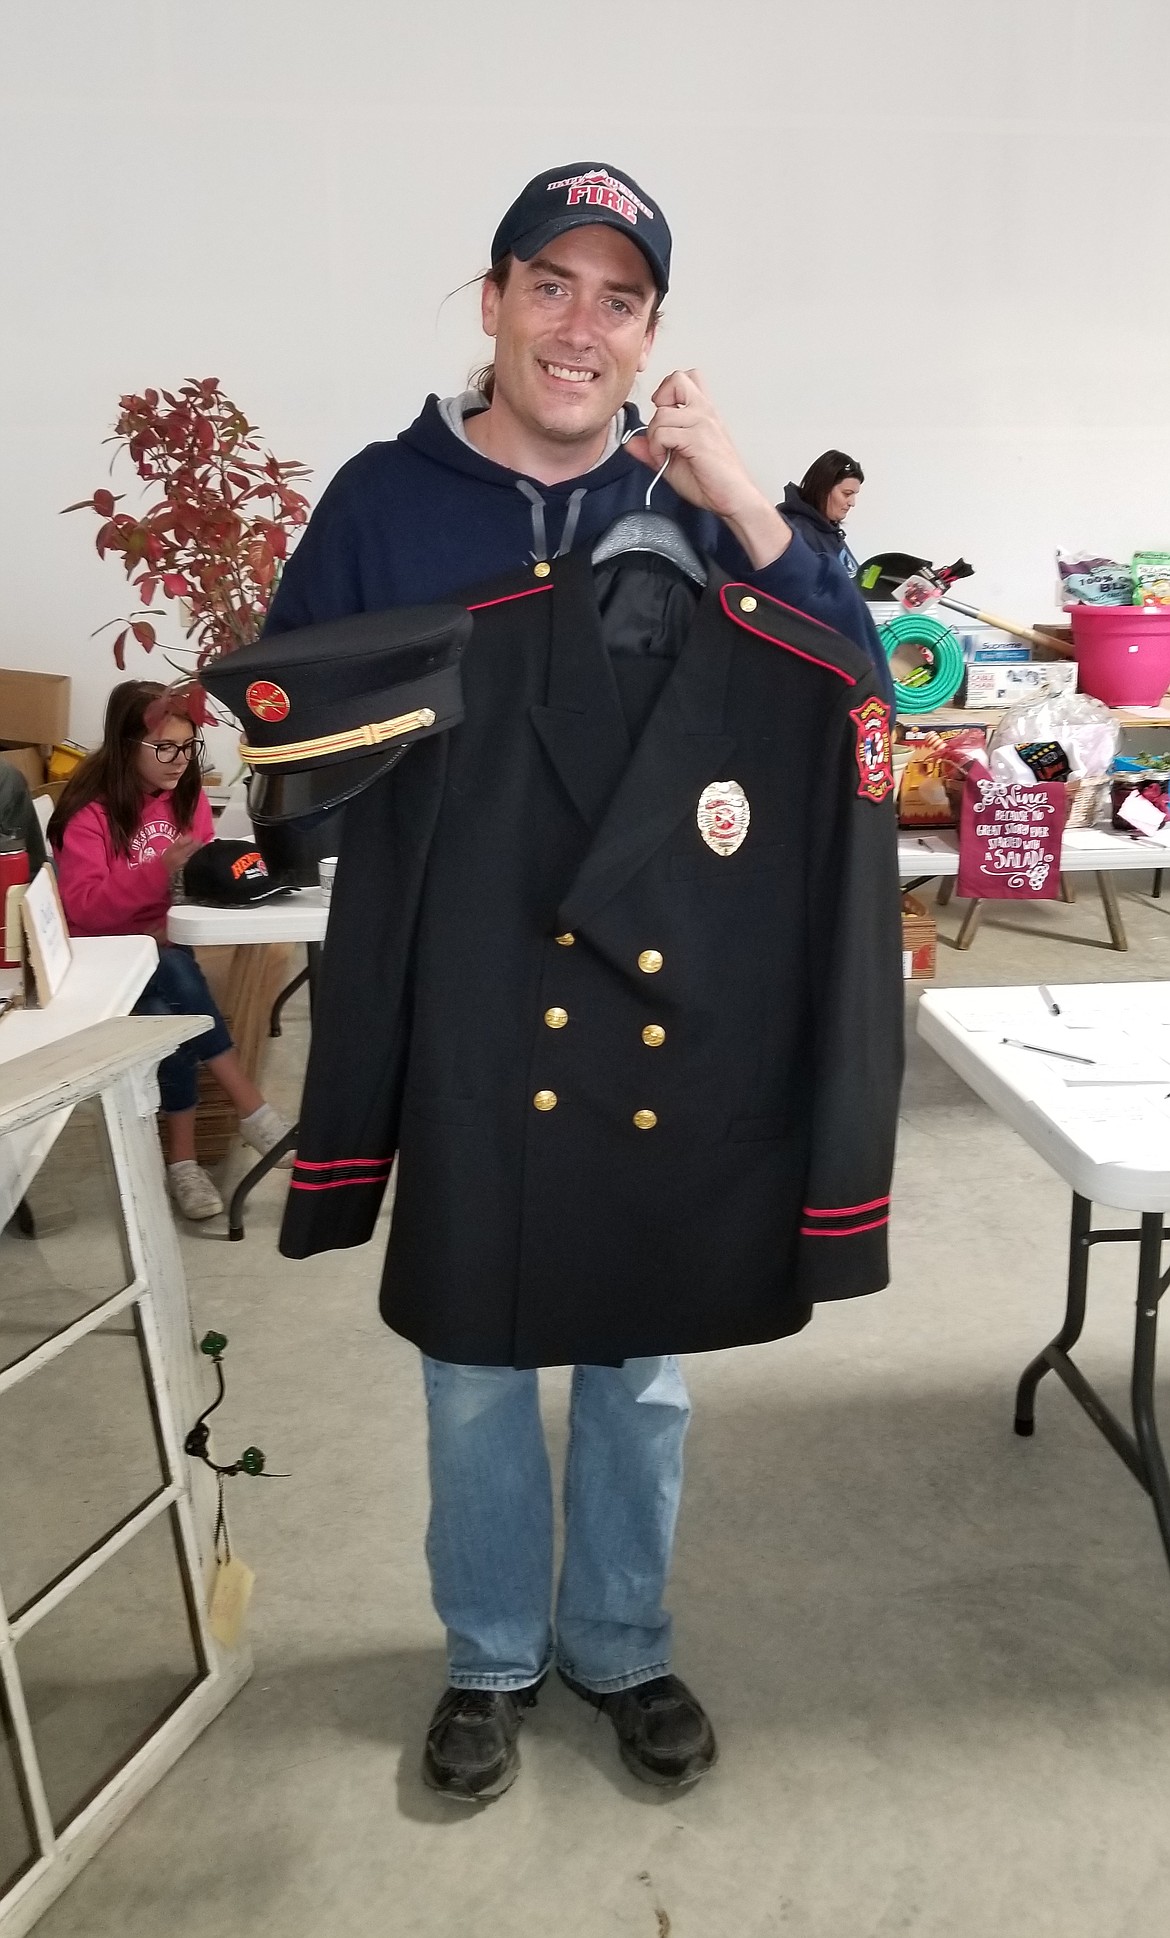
{"x": 683, "y": 746}
{"x": 582, "y": 728}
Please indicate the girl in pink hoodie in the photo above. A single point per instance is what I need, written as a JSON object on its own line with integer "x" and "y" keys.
{"x": 127, "y": 820}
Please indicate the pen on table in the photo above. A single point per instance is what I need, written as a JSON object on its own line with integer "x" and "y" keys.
{"x": 1050, "y": 1000}
{"x": 1041, "y": 1049}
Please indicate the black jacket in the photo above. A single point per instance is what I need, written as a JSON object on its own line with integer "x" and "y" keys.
{"x": 828, "y": 541}
{"x": 643, "y": 1093}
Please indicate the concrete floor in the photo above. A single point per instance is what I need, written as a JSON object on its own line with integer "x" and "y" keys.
{"x": 938, "y": 1657}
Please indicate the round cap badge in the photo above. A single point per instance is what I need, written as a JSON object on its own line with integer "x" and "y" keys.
{"x": 267, "y": 701}
{"x": 723, "y": 816}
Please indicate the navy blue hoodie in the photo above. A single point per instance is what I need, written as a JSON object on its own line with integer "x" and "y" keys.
{"x": 425, "y": 517}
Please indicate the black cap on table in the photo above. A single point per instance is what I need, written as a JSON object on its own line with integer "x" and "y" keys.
{"x": 576, "y": 196}
{"x": 327, "y": 710}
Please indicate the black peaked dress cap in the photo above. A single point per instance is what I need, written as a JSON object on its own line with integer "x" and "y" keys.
{"x": 326, "y": 710}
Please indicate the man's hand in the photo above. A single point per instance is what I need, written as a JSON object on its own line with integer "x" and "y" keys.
{"x": 705, "y": 467}
{"x": 179, "y": 854}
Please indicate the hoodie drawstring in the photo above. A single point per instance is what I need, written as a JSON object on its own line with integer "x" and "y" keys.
{"x": 539, "y": 529}
{"x": 572, "y": 516}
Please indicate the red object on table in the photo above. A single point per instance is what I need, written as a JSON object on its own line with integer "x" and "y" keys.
{"x": 1010, "y": 835}
{"x": 13, "y": 874}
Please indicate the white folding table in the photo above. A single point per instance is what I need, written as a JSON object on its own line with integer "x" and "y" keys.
{"x": 1102, "y": 852}
{"x": 106, "y": 977}
{"x": 301, "y": 916}
{"x": 1095, "y": 1113}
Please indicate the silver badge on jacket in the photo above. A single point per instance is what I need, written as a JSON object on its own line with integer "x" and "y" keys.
{"x": 724, "y": 816}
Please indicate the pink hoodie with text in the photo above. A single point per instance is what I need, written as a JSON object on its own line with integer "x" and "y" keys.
{"x": 110, "y": 894}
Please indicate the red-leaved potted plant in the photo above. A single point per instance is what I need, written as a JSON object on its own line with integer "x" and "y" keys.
{"x": 217, "y": 533}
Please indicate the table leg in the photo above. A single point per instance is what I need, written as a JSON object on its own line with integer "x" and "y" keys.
{"x": 290, "y": 989}
{"x": 22, "y": 1219}
{"x": 1074, "y": 1316}
{"x": 946, "y": 889}
{"x": 1068, "y": 891}
{"x": 1151, "y": 1285}
{"x": 971, "y": 920}
{"x": 1112, "y": 912}
{"x": 1156, "y": 890}
{"x": 264, "y": 1165}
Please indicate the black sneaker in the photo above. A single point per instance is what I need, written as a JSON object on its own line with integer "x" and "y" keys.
{"x": 663, "y": 1732}
{"x": 471, "y": 1751}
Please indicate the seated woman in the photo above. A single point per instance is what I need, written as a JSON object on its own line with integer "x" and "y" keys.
{"x": 128, "y": 819}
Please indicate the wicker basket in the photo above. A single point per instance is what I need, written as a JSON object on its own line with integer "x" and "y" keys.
{"x": 1086, "y": 800}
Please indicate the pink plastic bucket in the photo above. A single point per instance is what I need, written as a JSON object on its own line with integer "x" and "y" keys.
{"x": 1123, "y": 653}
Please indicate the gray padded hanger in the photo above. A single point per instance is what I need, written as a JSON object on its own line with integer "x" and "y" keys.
{"x": 650, "y": 531}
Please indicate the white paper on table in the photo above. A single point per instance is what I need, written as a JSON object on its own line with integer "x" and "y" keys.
{"x": 1011, "y": 1012}
{"x": 1142, "y": 815}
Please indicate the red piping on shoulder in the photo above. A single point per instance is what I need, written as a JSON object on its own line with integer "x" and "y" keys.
{"x": 507, "y": 598}
{"x": 783, "y": 643}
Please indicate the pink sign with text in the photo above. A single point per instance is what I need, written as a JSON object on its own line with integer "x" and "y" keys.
{"x": 1010, "y": 835}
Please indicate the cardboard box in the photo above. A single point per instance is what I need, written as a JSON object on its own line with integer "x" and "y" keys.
{"x": 34, "y": 707}
{"x": 29, "y": 761}
{"x": 919, "y": 940}
{"x": 1000, "y": 686}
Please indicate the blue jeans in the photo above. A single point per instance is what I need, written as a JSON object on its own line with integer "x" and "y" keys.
{"x": 178, "y": 987}
{"x": 490, "y": 1537}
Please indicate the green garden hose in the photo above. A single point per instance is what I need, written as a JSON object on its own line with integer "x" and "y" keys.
{"x": 931, "y": 661}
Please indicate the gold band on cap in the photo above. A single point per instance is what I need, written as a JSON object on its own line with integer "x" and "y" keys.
{"x": 340, "y": 743}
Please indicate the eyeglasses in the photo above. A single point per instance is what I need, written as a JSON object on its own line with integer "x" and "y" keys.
{"x": 167, "y": 752}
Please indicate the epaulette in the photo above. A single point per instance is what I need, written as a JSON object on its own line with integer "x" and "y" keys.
{"x": 797, "y": 632}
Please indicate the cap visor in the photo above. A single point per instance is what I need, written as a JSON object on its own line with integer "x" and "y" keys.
{"x": 276, "y": 795}
{"x": 527, "y": 246}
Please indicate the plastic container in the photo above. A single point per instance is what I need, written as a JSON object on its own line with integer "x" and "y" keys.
{"x": 13, "y": 874}
{"x": 1154, "y": 786}
{"x": 1123, "y": 653}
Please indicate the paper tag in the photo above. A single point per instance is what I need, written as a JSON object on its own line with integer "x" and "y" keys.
{"x": 1141, "y": 814}
{"x": 229, "y": 1602}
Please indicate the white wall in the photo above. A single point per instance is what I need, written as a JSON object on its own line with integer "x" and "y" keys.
{"x": 936, "y": 234}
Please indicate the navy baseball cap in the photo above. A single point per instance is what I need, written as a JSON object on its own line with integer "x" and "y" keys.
{"x": 575, "y": 197}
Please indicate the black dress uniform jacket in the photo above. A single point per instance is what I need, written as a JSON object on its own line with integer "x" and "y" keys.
{"x": 642, "y": 1090}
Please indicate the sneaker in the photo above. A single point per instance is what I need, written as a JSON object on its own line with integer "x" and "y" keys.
{"x": 471, "y": 1751}
{"x": 663, "y": 1732}
{"x": 263, "y": 1130}
{"x": 192, "y": 1190}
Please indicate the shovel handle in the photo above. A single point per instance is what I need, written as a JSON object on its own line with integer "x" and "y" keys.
{"x": 1058, "y": 646}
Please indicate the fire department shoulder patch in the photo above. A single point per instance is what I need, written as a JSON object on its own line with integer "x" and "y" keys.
{"x": 874, "y": 759}
{"x": 267, "y": 700}
{"x": 724, "y": 816}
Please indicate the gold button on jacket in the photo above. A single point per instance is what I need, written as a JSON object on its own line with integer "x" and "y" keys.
{"x": 654, "y": 1035}
{"x": 649, "y": 962}
{"x": 541, "y": 570}
{"x": 556, "y": 1018}
{"x": 645, "y": 1119}
{"x": 545, "y": 1100}
{"x": 566, "y": 941}
{"x": 748, "y": 605}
